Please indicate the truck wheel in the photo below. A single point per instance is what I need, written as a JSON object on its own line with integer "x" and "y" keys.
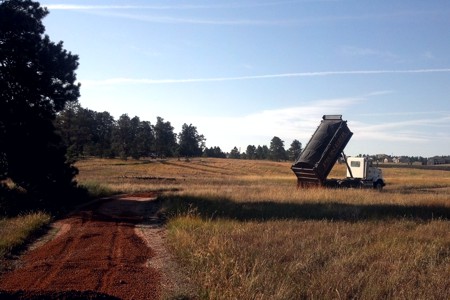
{"x": 378, "y": 186}
{"x": 344, "y": 185}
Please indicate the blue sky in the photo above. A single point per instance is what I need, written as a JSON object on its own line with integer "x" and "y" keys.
{"x": 245, "y": 71}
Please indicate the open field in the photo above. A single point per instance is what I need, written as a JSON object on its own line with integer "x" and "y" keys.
{"x": 242, "y": 230}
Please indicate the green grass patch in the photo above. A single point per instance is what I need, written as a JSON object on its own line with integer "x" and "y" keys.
{"x": 97, "y": 190}
{"x": 15, "y": 232}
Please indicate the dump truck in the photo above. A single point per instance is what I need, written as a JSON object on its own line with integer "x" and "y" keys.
{"x": 324, "y": 149}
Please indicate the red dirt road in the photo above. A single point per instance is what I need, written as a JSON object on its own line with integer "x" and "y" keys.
{"x": 96, "y": 254}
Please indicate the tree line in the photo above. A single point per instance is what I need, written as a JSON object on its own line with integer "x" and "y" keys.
{"x": 276, "y": 151}
{"x": 89, "y": 133}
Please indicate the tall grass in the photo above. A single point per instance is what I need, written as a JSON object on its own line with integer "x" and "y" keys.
{"x": 243, "y": 231}
{"x": 315, "y": 259}
{"x": 14, "y": 232}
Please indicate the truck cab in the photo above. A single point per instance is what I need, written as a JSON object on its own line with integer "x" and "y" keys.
{"x": 362, "y": 169}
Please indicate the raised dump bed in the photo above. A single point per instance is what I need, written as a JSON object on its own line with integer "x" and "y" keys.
{"x": 322, "y": 151}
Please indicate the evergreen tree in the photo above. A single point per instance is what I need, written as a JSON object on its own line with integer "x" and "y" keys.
{"x": 65, "y": 124}
{"x": 104, "y": 126}
{"x": 235, "y": 153}
{"x": 144, "y": 139}
{"x": 262, "y": 152}
{"x": 165, "y": 138}
{"x": 277, "y": 151}
{"x": 295, "y": 150}
{"x": 37, "y": 80}
{"x": 123, "y": 137}
{"x": 214, "y": 152}
{"x": 83, "y": 136}
{"x": 85, "y": 132}
{"x": 134, "y": 147}
{"x": 251, "y": 152}
{"x": 190, "y": 142}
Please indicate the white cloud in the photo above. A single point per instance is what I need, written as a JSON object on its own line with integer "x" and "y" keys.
{"x": 117, "y": 81}
{"x": 259, "y": 128}
{"x": 412, "y": 130}
{"x": 300, "y": 122}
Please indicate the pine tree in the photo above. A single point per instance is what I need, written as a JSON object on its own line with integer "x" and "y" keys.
{"x": 37, "y": 80}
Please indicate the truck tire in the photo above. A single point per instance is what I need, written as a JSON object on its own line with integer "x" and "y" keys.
{"x": 344, "y": 185}
{"x": 378, "y": 186}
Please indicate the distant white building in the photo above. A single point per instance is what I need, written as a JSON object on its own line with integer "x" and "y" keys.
{"x": 400, "y": 159}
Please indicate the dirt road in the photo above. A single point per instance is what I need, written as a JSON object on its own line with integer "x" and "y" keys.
{"x": 96, "y": 253}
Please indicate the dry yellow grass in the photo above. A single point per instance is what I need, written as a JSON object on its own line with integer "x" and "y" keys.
{"x": 243, "y": 231}
{"x": 315, "y": 259}
{"x": 15, "y": 231}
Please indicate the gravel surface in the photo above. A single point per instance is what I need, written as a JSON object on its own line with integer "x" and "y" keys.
{"x": 97, "y": 254}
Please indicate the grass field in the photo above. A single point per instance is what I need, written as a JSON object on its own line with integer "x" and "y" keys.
{"x": 242, "y": 230}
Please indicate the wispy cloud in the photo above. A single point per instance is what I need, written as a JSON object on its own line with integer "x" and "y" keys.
{"x": 146, "y": 81}
{"x": 194, "y": 21}
{"x": 413, "y": 130}
{"x": 406, "y": 113}
{"x": 141, "y": 13}
{"x": 379, "y": 93}
{"x": 229, "y": 4}
{"x": 357, "y": 51}
{"x": 89, "y": 7}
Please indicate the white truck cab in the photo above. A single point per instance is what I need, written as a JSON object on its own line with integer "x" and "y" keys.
{"x": 362, "y": 168}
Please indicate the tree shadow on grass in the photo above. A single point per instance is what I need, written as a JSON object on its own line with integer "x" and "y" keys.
{"x": 223, "y": 208}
